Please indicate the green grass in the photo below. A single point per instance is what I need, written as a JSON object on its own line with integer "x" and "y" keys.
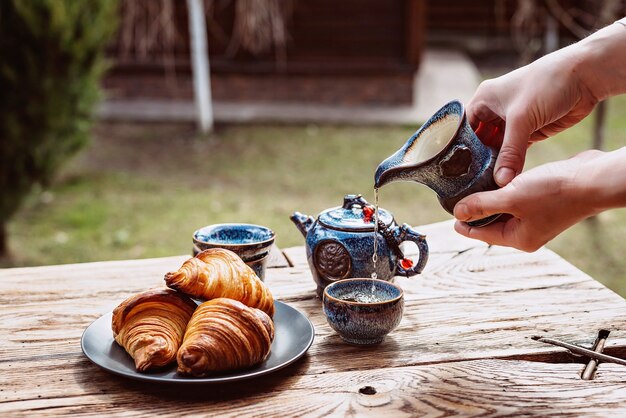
{"x": 141, "y": 190}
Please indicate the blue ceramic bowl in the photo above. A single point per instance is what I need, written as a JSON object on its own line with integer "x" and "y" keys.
{"x": 363, "y": 311}
{"x": 250, "y": 242}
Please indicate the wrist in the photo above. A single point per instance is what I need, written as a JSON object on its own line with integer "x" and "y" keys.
{"x": 599, "y": 59}
{"x": 603, "y": 181}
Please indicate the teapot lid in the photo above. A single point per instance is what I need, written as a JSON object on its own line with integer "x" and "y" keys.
{"x": 352, "y": 216}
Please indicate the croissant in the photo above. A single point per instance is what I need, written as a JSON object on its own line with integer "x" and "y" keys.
{"x": 224, "y": 334}
{"x": 151, "y": 325}
{"x": 220, "y": 273}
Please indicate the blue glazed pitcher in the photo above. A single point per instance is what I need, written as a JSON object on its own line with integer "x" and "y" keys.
{"x": 340, "y": 243}
{"x": 446, "y": 155}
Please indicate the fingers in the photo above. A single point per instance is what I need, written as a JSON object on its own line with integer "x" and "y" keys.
{"x": 497, "y": 233}
{"x": 513, "y": 152}
{"x": 510, "y": 233}
{"x": 511, "y": 137}
{"x": 481, "y": 205}
{"x": 490, "y": 108}
{"x": 491, "y": 234}
{"x": 480, "y": 109}
{"x": 491, "y": 133}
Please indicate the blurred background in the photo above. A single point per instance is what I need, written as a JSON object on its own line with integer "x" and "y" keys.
{"x": 112, "y": 149}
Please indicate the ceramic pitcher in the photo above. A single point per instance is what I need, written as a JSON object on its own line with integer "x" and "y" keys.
{"x": 446, "y": 155}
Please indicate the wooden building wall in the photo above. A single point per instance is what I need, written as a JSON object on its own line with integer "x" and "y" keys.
{"x": 335, "y": 49}
{"x": 324, "y": 35}
{"x": 355, "y": 52}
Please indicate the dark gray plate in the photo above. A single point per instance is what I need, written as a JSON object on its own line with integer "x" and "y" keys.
{"x": 293, "y": 336}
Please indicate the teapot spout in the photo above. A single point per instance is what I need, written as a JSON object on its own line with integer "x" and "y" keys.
{"x": 302, "y": 222}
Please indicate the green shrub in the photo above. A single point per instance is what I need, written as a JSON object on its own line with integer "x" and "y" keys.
{"x": 51, "y": 61}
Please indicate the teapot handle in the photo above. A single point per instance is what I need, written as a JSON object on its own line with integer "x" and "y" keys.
{"x": 407, "y": 233}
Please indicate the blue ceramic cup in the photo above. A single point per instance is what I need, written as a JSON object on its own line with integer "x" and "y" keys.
{"x": 363, "y": 311}
{"x": 250, "y": 242}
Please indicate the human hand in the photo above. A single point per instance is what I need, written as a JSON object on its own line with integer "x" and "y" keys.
{"x": 527, "y": 105}
{"x": 544, "y": 201}
{"x": 551, "y": 94}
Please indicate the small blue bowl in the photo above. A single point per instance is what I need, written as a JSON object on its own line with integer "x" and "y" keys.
{"x": 363, "y": 311}
{"x": 250, "y": 242}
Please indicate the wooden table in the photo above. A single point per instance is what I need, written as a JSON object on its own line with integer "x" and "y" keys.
{"x": 464, "y": 345}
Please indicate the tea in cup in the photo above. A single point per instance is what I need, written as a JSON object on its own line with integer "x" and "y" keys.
{"x": 363, "y": 311}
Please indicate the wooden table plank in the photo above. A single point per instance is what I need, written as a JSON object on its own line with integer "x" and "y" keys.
{"x": 277, "y": 258}
{"x": 462, "y": 344}
{"x": 484, "y": 387}
{"x": 479, "y": 316}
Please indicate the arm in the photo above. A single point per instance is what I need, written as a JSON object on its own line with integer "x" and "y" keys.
{"x": 602, "y": 61}
{"x": 547, "y": 96}
{"x": 547, "y": 200}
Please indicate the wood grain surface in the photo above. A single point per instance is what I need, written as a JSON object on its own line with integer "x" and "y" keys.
{"x": 463, "y": 346}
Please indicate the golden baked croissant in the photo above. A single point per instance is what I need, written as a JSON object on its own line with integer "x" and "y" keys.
{"x": 224, "y": 334}
{"x": 220, "y": 273}
{"x": 151, "y": 325}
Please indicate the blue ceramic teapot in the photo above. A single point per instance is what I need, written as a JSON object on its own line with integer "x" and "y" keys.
{"x": 340, "y": 243}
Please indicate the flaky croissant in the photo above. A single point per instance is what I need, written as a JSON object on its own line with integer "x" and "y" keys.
{"x": 220, "y": 273}
{"x": 151, "y": 325}
{"x": 224, "y": 334}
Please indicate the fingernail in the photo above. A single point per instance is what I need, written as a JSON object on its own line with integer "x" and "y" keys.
{"x": 461, "y": 212}
{"x": 504, "y": 176}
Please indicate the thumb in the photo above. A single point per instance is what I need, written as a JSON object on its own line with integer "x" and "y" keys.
{"x": 513, "y": 151}
{"x": 481, "y": 205}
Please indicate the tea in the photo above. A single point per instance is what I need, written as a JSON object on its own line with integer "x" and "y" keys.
{"x": 361, "y": 297}
{"x": 375, "y": 255}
